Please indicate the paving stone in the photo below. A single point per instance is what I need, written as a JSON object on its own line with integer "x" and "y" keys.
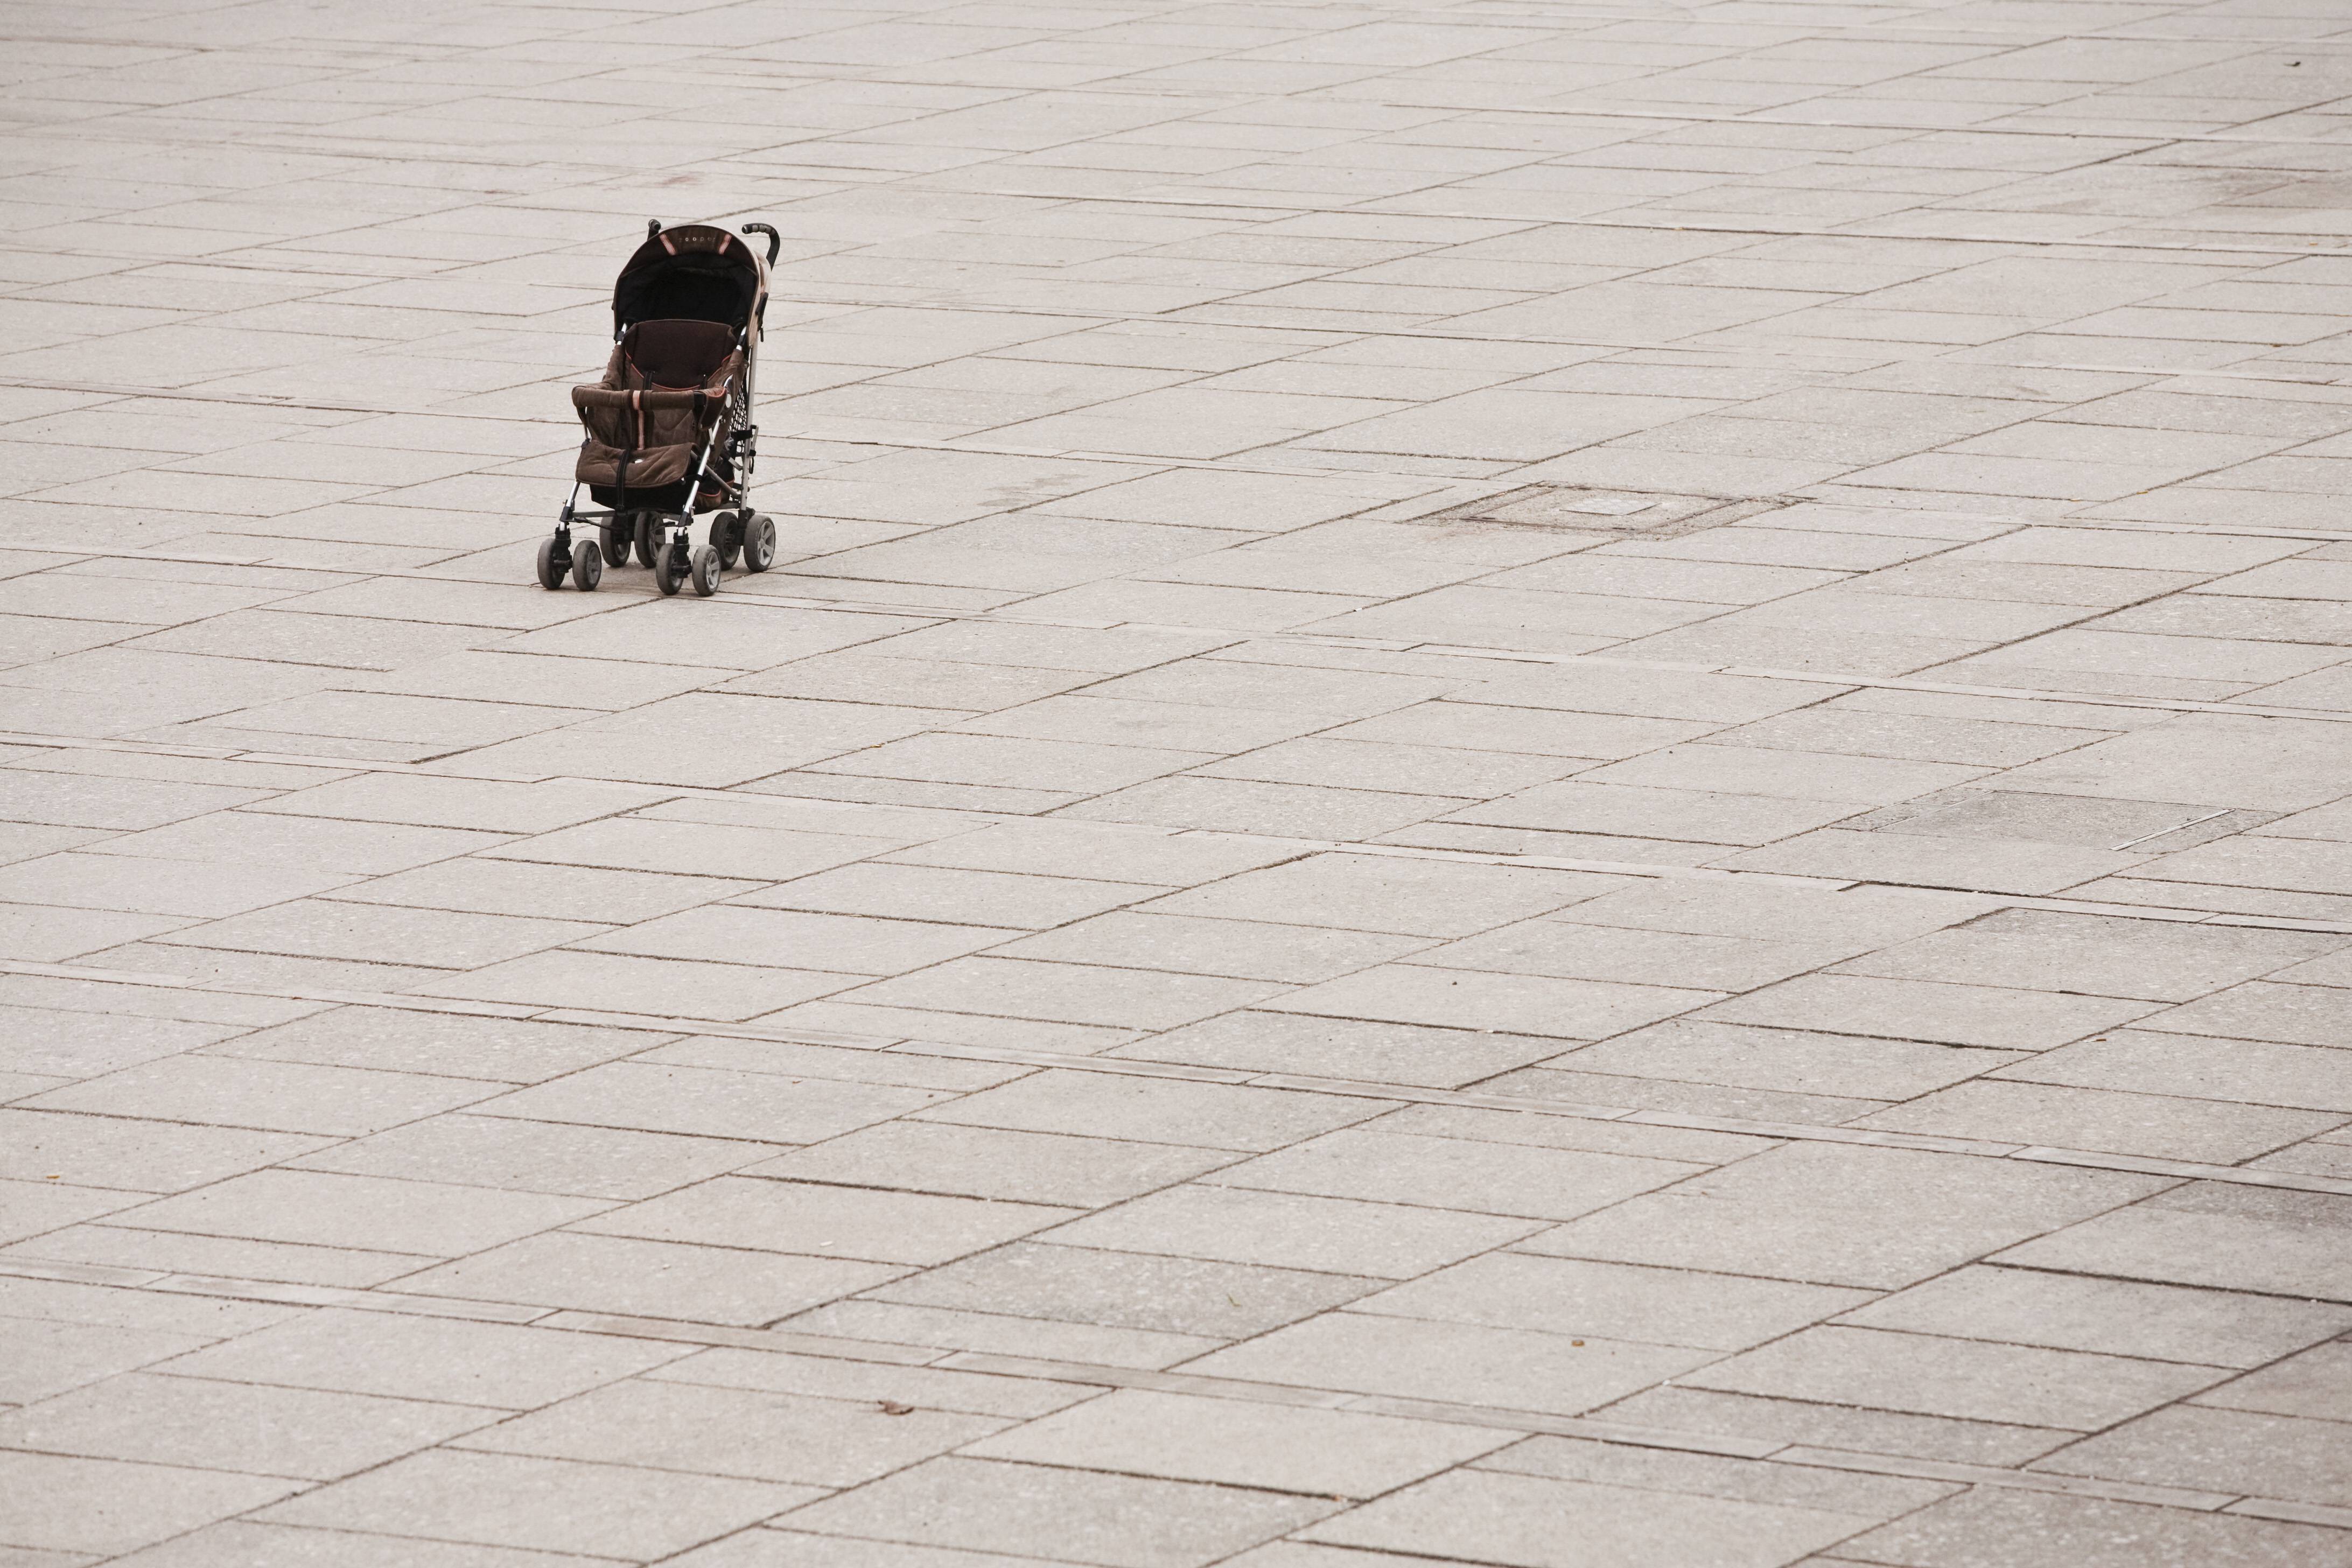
{"x": 716, "y": 1430}
{"x": 295, "y": 1433}
{"x": 1520, "y": 1180}
{"x": 636, "y": 1278}
{"x": 1342, "y": 1237}
{"x": 1954, "y": 1015}
{"x": 960, "y": 896}
{"x": 1987, "y": 1526}
{"x": 1794, "y": 1059}
{"x": 1064, "y": 993}
{"x": 511, "y": 1050}
{"x": 2152, "y": 960}
{"x": 1246, "y": 949}
{"x": 1973, "y": 1379}
{"x": 1520, "y": 1004}
{"x": 1421, "y": 1359}
{"x": 710, "y": 1103}
{"x": 649, "y": 844}
{"x": 827, "y": 1221}
{"x": 549, "y": 891}
{"x": 499, "y": 1499}
{"x": 1127, "y": 1290}
{"x": 1519, "y": 1519}
{"x": 1156, "y": 1111}
{"x": 2262, "y": 1011}
{"x": 440, "y": 1359}
{"x": 861, "y": 1063}
{"x": 2264, "y": 1072}
{"x": 2113, "y": 1317}
{"x": 145, "y": 1156}
{"x": 108, "y": 1506}
{"x": 2244, "y": 1239}
{"x": 321, "y": 1209}
{"x": 993, "y": 1162}
{"x": 2309, "y": 1384}
{"x": 1565, "y": 1296}
{"x": 766, "y": 1548}
{"x": 283, "y": 1097}
{"x": 2266, "y": 1455}
{"x": 1183, "y": 1437}
{"x": 1411, "y": 898}
{"x": 954, "y": 1329}
{"x": 48, "y": 1357}
{"x": 1845, "y": 1215}
{"x": 2108, "y": 1120}
{"x": 283, "y": 1546}
{"x": 1785, "y": 1421}
{"x": 1088, "y": 1517}
{"x": 1343, "y": 1048}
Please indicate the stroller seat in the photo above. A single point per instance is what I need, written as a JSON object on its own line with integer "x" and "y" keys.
{"x": 676, "y": 354}
{"x": 664, "y": 389}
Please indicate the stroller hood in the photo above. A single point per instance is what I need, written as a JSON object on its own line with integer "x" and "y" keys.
{"x": 694, "y": 272}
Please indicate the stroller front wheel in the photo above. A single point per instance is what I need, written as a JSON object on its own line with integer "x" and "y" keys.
{"x": 706, "y": 571}
{"x": 670, "y": 567}
{"x": 553, "y": 562}
{"x": 758, "y": 534}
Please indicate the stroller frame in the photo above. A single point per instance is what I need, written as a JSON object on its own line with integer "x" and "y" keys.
{"x": 679, "y": 545}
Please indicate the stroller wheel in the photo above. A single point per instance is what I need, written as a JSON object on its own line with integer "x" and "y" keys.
{"x": 669, "y": 571}
{"x": 758, "y": 537}
{"x": 552, "y": 566}
{"x": 706, "y": 571}
{"x": 587, "y": 567}
{"x": 648, "y": 540}
{"x": 727, "y": 536}
{"x": 618, "y": 537}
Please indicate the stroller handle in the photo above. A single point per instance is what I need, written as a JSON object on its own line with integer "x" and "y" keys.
{"x": 775, "y": 240}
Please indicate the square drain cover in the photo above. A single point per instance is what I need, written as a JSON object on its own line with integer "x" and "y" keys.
{"x": 1594, "y": 511}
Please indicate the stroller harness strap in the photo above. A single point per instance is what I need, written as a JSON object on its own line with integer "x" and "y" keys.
{"x": 650, "y": 400}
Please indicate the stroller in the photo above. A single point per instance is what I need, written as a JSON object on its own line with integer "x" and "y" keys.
{"x": 669, "y": 430}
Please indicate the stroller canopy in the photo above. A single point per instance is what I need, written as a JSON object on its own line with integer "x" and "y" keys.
{"x": 694, "y": 272}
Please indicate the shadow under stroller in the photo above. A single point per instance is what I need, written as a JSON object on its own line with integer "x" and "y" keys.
{"x": 669, "y": 429}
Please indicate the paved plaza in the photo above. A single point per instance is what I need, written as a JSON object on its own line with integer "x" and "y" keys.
{"x": 1559, "y": 783}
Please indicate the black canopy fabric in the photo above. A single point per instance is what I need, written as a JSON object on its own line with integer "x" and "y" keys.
{"x": 694, "y": 272}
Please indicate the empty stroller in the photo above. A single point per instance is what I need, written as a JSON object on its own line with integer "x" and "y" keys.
{"x": 669, "y": 427}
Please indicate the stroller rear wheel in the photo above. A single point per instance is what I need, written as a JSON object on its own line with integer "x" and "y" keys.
{"x": 649, "y": 541}
{"x": 618, "y": 535}
{"x": 727, "y": 536}
{"x": 553, "y": 562}
{"x": 758, "y": 534}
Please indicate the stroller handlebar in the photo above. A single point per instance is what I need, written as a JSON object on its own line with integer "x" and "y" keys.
{"x": 775, "y": 240}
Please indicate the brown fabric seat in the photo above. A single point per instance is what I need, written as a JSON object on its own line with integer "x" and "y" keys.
{"x": 677, "y": 353}
{"x": 672, "y": 378}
